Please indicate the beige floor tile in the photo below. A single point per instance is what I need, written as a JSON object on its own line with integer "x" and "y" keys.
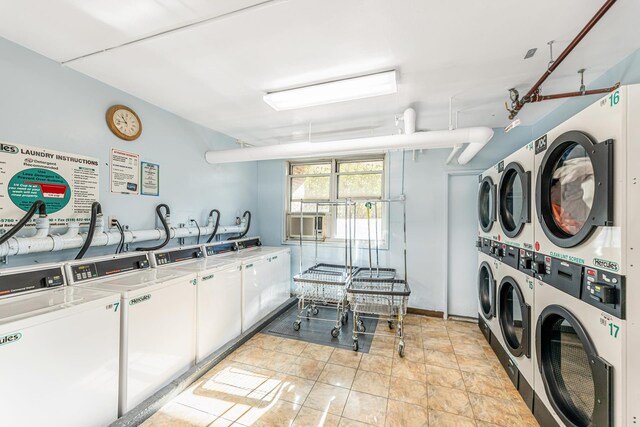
{"x": 470, "y": 349}
{"x": 412, "y": 319}
{"x": 449, "y": 400}
{"x": 401, "y": 414}
{"x": 444, "y": 377}
{"x": 308, "y": 417}
{"x": 268, "y": 342}
{"x": 289, "y": 388}
{"x": 279, "y": 413}
{"x": 366, "y": 408}
{"x": 317, "y": 352}
{"x": 327, "y": 398}
{"x": 378, "y": 364}
{"x": 475, "y": 365}
{"x": 446, "y": 419}
{"x": 175, "y": 414}
{"x": 414, "y": 392}
{"x": 337, "y": 375}
{"x": 383, "y": 350}
{"x": 305, "y": 368}
{"x": 493, "y": 410}
{"x": 484, "y": 384}
{"x": 440, "y": 358}
{"x": 372, "y": 383}
{"x": 409, "y": 370}
{"x": 437, "y": 344}
{"x": 344, "y": 357}
{"x": 221, "y": 422}
{"x": 293, "y": 347}
{"x": 346, "y": 422}
{"x": 439, "y": 333}
{"x": 413, "y": 352}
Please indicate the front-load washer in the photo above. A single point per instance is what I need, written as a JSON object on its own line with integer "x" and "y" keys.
{"x": 487, "y": 288}
{"x": 582, "y": 182}
{"x": 514, "y": 303}
{"x": 487, "y": 210}
{"x": 583, "y": 375}
{"x": 59, "y": 350}
{"x": 218, "y": 294}
{"x": 157, "y": 308}
{"x": 515, "y": 197}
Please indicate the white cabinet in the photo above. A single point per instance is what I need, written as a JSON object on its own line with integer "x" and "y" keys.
{"x": 254, "y": 280}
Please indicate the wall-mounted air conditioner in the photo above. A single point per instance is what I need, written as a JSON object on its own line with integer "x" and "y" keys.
{"x": 313, "y": 226}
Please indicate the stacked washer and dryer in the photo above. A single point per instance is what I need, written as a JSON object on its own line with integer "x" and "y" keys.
{"x": 584, "y": 325}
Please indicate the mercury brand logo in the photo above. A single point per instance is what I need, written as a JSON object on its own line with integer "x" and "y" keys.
{"x": 138, "y": 300}
{"x": 8, "y": 339}
{"x": 603, "y": 263}
{"x": 9, "y": 149}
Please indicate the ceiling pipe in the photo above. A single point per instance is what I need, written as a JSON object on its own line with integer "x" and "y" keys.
{"x": 455, "y": 150}
{"x": 476, "y": 137}
{"x": 585, "y": 30}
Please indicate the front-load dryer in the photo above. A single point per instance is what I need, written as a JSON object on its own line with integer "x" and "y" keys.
{"x": 218, "y": 293}
{"x": 487, "y": 206}
{"x": 158, "y": 312}
{"x": 515, "y": 199}
{"x": 487, "y": 288}
{"x": 514, "y": 303}
{"x": 582, "y": 373}
{"x": 59, "y": 350}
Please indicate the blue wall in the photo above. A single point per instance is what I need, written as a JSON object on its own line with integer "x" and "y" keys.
{"x": 47, "y": 105}
{"x": 425, "y": 188}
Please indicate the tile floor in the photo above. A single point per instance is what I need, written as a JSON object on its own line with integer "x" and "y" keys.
{"x": 448, "y": 377}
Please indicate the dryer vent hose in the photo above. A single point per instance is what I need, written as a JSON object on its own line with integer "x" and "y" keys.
{"x": 39, "y": 206}
{"x": 96, "y": 209}
{"x": 247, "y": 215}
{"x": 165, "y": 225}
{"x": 215, "y": 227}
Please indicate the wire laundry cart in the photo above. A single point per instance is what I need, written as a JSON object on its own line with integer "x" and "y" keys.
{"x": 325, "y": 284}
{"x": 378, "y": 297}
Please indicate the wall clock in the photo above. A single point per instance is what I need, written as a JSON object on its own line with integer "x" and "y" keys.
{"x": 124, "y": 122}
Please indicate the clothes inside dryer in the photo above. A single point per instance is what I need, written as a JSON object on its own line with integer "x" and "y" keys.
{"x": 572, "y": 189}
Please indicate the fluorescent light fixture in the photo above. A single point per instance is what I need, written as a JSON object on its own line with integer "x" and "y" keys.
{"x": 336, "y": 91}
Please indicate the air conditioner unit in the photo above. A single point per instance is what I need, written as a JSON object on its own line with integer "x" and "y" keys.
{"x": 313, "y": 226}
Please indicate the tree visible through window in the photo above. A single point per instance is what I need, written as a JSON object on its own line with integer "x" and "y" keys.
{"x": 360, "y": 180}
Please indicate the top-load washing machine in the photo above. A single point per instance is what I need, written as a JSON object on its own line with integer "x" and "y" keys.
{"x": 487, "y": 210}
{"x": 157, "y": 308}
{"x": 218, "y": 292}
{"x": 515, "y": 199}
{"x": 587, "y": 322}
{"x": 59, "y": 350}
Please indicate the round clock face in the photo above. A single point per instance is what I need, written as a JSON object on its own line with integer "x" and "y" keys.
{"x": 124, "y": 122}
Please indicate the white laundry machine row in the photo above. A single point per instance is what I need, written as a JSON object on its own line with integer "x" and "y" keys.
{"x": 218, "y": 293}
{"x": 487, "y": 210}
{"x": 59, "y": 350}
{"x": 266, "y": 276}
{"x": 157, "y": 310}
{"x": 587, "y": 319}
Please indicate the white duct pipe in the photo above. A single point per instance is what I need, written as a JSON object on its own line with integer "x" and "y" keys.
{"x": 71, "y": 239}
{"x": 409, "y": 118}
{"x": 454, "y": 151}
{"x": 477, "y": 137}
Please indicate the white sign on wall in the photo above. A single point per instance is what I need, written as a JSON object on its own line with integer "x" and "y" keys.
{"x": 67, "y": 183}
{"x": 150, "y": 179}
{"x": 125, "y": 172}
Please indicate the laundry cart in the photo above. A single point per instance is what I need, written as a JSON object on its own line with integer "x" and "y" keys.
{"x": 376, "y": 298}
{"x": 326, "y": 288}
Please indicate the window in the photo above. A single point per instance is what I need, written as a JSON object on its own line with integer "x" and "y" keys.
{"x": 314, "y": 187}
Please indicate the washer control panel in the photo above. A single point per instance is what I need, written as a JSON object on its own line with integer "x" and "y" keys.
{"x": 82, "y": 272}
{"x": 220, "y": 248}
{"x": 604, "y": 290}
{"x": 24, "y": 281}
{"x": 179, "y": 255}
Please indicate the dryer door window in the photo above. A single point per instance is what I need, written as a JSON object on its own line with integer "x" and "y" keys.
{"x": 486, "y": 290}
{"x": 487, "y": 204}
{"x": 577, "y": 381}
{"x": 514, "y": 316}
{"x": 514, "y": 196}
{"x": 574, "y": 192}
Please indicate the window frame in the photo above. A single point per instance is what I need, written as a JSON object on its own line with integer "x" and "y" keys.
{"x": 333, "y": 195}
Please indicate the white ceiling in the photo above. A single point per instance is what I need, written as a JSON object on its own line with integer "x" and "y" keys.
{"x": 216, "y": 73}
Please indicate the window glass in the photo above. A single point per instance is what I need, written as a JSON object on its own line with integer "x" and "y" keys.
{"x": 311, "y": 169}
{"x": 485, "y": 285}
{"x": 572, "y": 189}
{"x": 514, "y": 316}
{"x": 484, "y": 205}
{"x": 511, "y": 205}
{"x": 311, "y": 187}
{"x": 361, "y": 166}
{"x": 360, "y": 186}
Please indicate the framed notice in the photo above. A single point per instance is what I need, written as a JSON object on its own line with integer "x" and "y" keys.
{"x": 125, "y": 172}
{"x": 149, "y": 179}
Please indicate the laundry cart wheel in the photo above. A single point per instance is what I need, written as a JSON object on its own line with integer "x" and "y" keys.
{"x": 361, "y": 327}
{"x": 296, "y": 325}
{"x": 345, "y": 317}
{"x": 401, "y": 349}
{"x": 335, "y": 332}
{"x": 355, "y": 345}
{"x": 315, "y": 311}
{"x": 390, "y": 323}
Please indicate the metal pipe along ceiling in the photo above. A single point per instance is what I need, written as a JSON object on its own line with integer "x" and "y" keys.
{"x": 476, "y": 137}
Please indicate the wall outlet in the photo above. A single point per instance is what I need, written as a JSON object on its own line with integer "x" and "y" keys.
{"x": 112, "y": 221}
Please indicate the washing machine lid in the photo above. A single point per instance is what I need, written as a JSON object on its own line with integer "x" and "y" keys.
{"x": 58, "y": 302}
{"x": 142, "y": 281}
{"x": 514, "y": 316}
{"x": 486, "y": 290}
{"x": 514, "y": 199}
{"x": 204, "y": 265}
{"x": 574, "y": 188}
{"x": 486, "y": 204}
{"x": 577, "y": 382}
